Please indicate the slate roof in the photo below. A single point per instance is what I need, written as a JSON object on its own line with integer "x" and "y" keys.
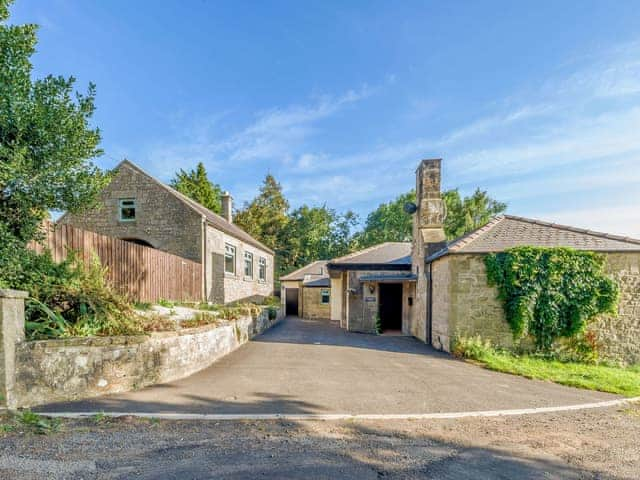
{"x": 317, "y": 268}
{"x": 385, "y": 254}
{"x": 507, "y": 231}
{"x": 317, "y": 282}
{"x": 212, "y": 218}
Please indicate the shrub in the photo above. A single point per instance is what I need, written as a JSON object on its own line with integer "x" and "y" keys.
{"x": 273, "y": 313}
{"x": 74, "y": 299}
{"x": 471, "y": 347}
{"x": 551, "y": 292}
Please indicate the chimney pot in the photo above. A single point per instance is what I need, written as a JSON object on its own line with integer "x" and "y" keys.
{"x": 227, "y": 207}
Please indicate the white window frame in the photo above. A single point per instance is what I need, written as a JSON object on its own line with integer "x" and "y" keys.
{"x": 248, "y": 256}
{"x": 262, "y": 269}
{"x": 127, "y": 203}
{"x": 324, "y": 291}
{"x": 229, "y": 250}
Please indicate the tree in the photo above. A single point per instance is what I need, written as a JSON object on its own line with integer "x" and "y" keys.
{"x": 46, "y": 145}
{"x": 390, "y": 223}
{"x": 265, "y": 217}
{"x": 196, "y": 185}
{"x": 470, "y": 213}
{"x": 316, "y": 233}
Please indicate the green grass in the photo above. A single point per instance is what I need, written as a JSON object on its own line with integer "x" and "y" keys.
{"x": 623, "y": 381}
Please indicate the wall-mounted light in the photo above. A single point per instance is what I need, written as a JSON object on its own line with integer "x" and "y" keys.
{"x": 372, "y": 288}
{"x": 410, "y": 208}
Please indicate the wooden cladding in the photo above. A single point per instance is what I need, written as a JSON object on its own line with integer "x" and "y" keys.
{"x": 142, "y": 273}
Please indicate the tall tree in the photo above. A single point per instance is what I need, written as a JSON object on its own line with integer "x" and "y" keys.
{"x": 46, "y": 144}
{"x": 316, "y": 233}
{"x": 389, "y": 222}
{"x": 265, "y": 217}
{"x": 466, "y": 214}
{"x": 196, "y": 185}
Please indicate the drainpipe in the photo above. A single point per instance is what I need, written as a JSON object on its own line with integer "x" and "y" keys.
{"x": 203, "y": 257}
{"x": 428, "y": 325}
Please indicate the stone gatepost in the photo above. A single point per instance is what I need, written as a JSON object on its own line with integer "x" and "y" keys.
{"x": 11, "y": 334}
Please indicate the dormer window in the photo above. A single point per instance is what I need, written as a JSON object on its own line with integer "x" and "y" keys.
{"x": 127, "y": 209}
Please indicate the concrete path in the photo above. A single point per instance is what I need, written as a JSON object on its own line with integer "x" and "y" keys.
{"x": 314, "y": 367}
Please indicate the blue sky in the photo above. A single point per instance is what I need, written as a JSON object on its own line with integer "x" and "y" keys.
{"x": 537, "y": 102}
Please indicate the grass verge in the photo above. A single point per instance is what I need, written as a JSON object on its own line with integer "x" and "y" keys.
{"x": 603, "y": 378}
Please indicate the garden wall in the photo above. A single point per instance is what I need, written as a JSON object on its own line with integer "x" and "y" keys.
{"x": 49, "y": 371}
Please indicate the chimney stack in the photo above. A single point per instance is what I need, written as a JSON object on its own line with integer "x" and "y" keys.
{"x": 431, "y": 210}
{"x": 227, "y": 205}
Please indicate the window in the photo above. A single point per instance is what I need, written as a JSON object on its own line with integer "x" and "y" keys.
{"x": 262, "y": 269}
{"x": 325, "y": 296}
{"x": 248, "y": 264}
{"x": 127, "y": 207}
{"x": 229, "y": 259}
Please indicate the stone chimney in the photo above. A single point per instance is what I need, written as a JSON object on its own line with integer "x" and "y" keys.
{"x": 429, "y": 219}
{"x": 227, "y": 205}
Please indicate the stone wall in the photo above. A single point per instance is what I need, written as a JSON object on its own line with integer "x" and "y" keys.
{"x": 69, "y": 369}
{"x": 619, "y": 337}
{"x": 225, "y": 287}
{"x": 312, "y": 306}
{"x": 161, "y": 219}
{"x": 464, "y": 304}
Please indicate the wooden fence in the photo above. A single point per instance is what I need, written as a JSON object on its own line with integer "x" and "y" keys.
{"x": 143, "y": 273}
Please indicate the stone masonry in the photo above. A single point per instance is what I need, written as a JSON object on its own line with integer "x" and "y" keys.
{"x": 38, "y": 372}
{"x": 312, "y": 306}
{"x": 166, "y": 222}
{"x": 464, "y": 304}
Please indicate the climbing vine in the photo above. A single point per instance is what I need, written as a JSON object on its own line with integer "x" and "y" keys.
{"x": 551, "y": 292}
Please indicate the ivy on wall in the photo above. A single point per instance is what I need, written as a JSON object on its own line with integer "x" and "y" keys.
{"x": 551, "y": 292}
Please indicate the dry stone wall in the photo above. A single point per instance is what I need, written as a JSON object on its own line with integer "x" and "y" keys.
{"x": 69, "y": 369}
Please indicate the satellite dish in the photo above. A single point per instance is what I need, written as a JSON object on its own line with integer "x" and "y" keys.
{"x": 410, "y": 208}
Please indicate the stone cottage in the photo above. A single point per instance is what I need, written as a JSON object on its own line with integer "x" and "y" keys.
{"x": 306, "y": 292}
{"x": 373, "y": 289}
{"x": 434, "y": 290}
{"x": 452, "y": 294}
{"x": 139, "y": 208}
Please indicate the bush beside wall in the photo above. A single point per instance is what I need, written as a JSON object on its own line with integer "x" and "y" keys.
{"x": 69, "y": 369}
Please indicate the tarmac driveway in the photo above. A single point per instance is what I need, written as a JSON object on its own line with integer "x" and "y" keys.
{"x": 306, "y": 366}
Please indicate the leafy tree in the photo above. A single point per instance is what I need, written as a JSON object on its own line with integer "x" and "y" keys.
{"x": 196, "y": 185}
{"x": 316, "y": 233}
{"x": 46, "y": 143}
{"x": 465, "y": 215}
{"x": 390, "y": 223}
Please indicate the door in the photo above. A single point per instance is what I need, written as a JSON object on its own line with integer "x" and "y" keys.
{"x": 390, "y": 305}
{"x": 291, "y": 301}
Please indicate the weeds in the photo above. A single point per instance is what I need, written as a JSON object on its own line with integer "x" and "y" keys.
{"x": 163, "y": 302}
{"x": 37, "y": 423}
{"x": 199, "y": 320}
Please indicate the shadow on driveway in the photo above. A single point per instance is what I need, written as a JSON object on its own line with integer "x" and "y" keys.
{"x": 302, "y": 366}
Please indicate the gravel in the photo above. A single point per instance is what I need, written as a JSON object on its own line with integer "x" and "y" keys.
{"x": 598, "y": 444}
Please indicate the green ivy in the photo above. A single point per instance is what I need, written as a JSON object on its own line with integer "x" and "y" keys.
{"x": 550, "y": 293}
